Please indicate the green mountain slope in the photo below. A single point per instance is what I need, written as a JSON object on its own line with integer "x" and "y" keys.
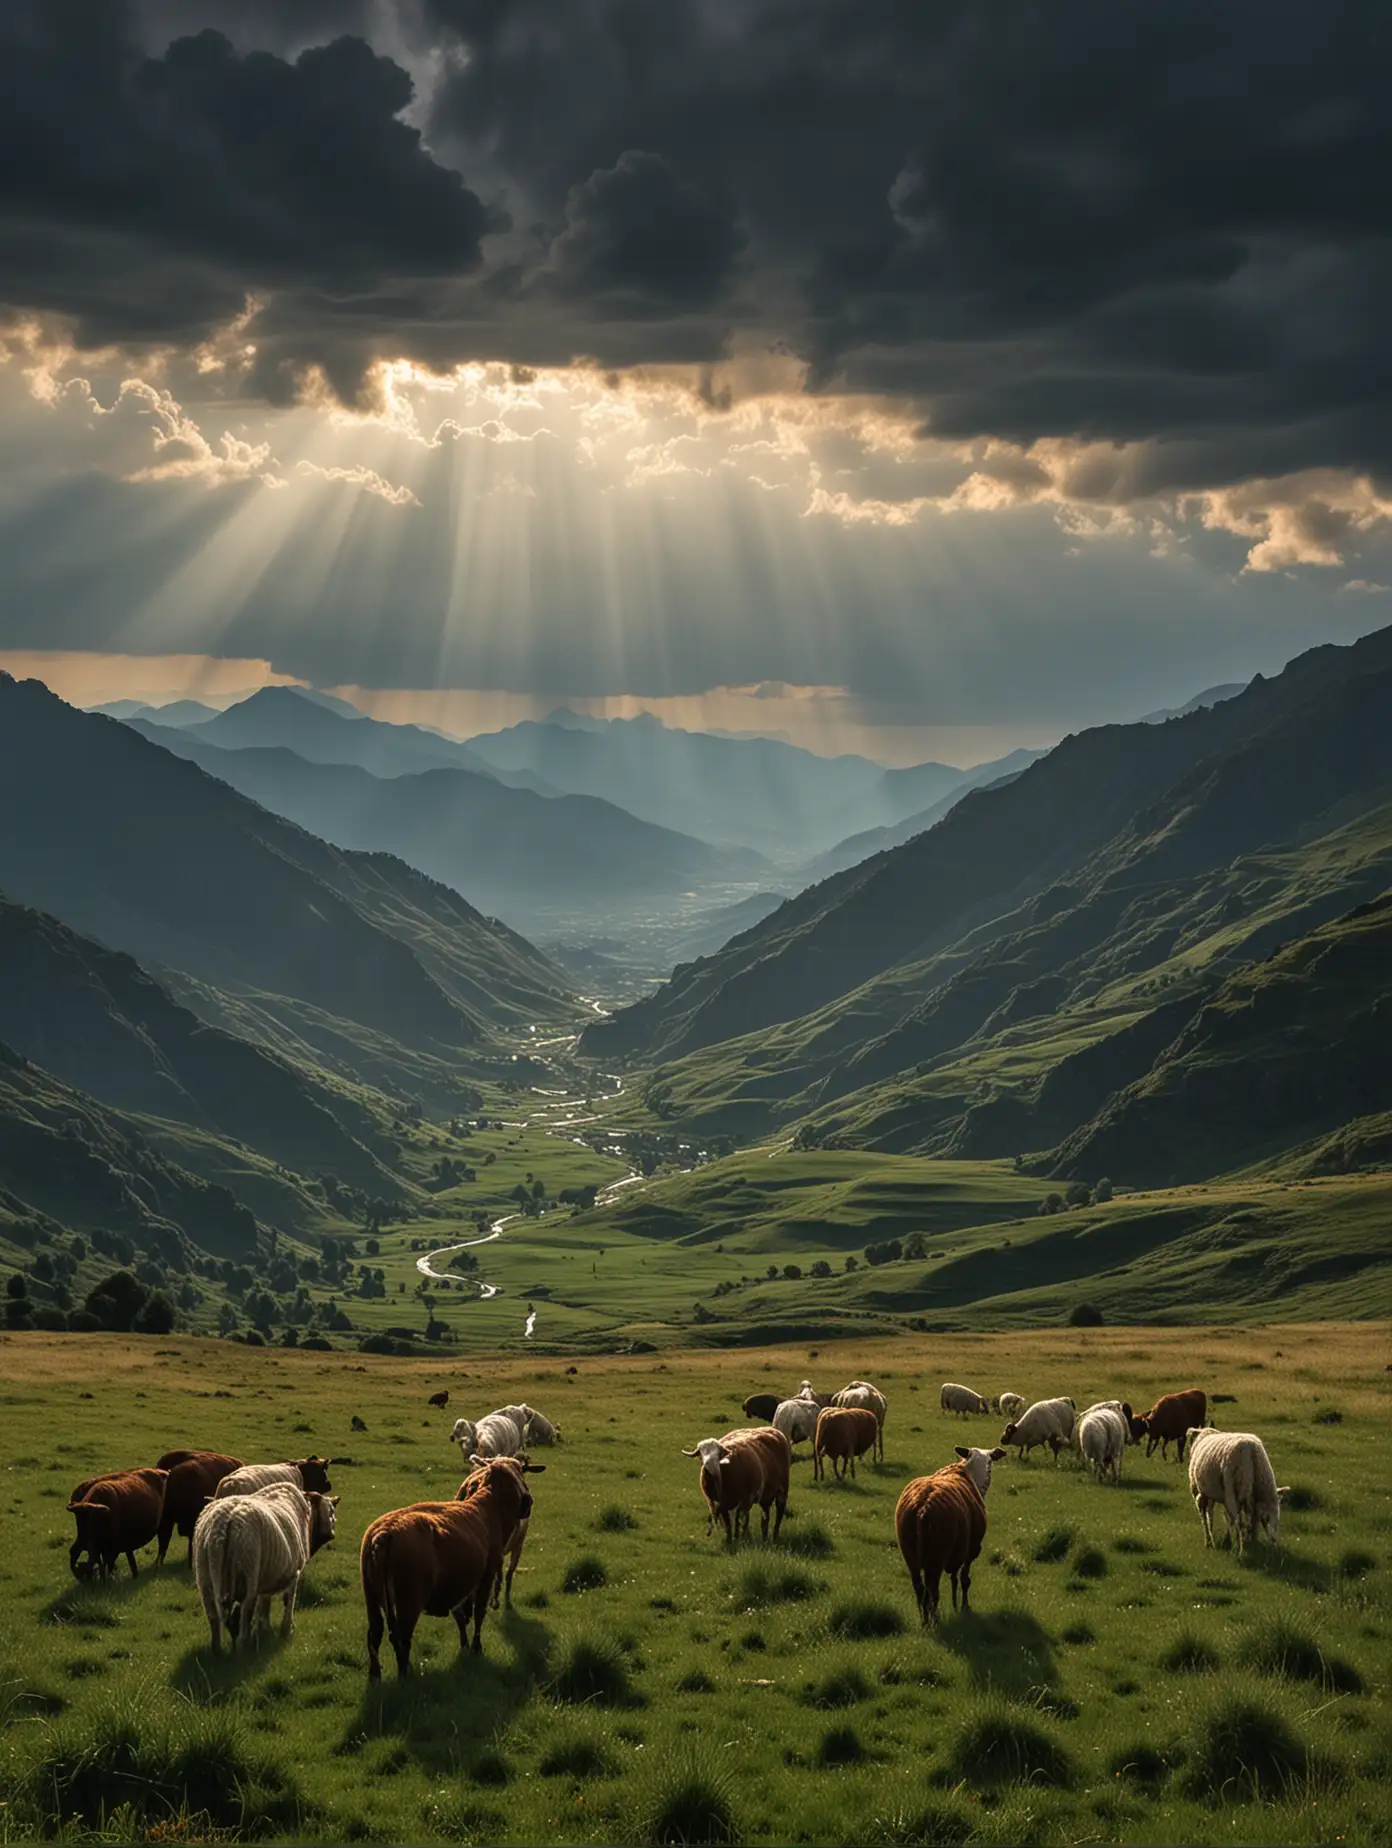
{"x": 94, "y": 1019}
{"x": 131, "y": 845}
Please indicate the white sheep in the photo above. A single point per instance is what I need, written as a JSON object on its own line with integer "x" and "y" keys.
{"x": 861, "y": 1395}
{"x": 1047, "y": 1421}
{"x": 962, "y": 1399}
{"x": 539, "y": 1431}
{"x": 309, "y": 1474}
{"x": 1102, "y": 1437}
{"x": 250, "y": 1548}
{"x": 1232, "y": 1467}
{"x": 497, "y": 1435}
{"x": 1010, "y": 1404}
{"x": 797, "y": 1419}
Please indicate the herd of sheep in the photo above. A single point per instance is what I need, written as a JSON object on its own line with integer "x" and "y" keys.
{"x": 253, "y": 1528}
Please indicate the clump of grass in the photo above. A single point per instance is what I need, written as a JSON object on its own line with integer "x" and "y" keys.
{"x": 998, "y": 1746}
{"x": 1128, "y": 1543}
{"x": 615, "y": 1520}
{"x": 937, "y": 1825}
{"x": 687, "y": 1802}
{"x": 842, "y": 1687}
{"x": 491, "y": 1768}
{"x": 587, "y": 1573}
{"x": 807, "y": 1540}
{"x": 578, "y": 1758}
{"x": 760, "y": 1585}
{"x": 1281, "y": 1648}
{"x": 1242, "y": 1748}
{"x": 1142, "y": 1765}
{"x": 1356, "y": 1564}
{"x": 696, "y": 1682}
{"x": 1329, "y": 1415}
{"x": 1054, "y": 1546}
{"x": 840, "y": 1745}
{"x": 593, "y": 1669}
{"x": 1303, "y": 1500}
{"x": 1079, "y": 1633}
{"x": 1164, "y": 1568}
{"x": 1090, "y": 1562}
{"x": 1190, "y": 1655}
{"x": 865, "y": 1620}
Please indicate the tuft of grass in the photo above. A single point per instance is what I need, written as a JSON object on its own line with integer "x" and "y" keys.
{"x": 1303, "y": 1500}
{"x": 1079, "y": 1633}
{"x": 842, "y": 1687}
{"x": 998, "y": 1746}
{"x": 1129, "y": 1543}
{"x": 1090, "y": 1562}
{"x": 587, "y": 1573}
{"x": 939, "y": 1824}
{"x": 491, "y": 1768}
{"x": 761, "y": 1585}
{"x": 840, "y": 1745}
{"x": 687, "y": 1802}
{"x": 807, "y": 1540}
{"x": 1282, "y": 1648}
{"x": 592, "y": 1670}
{"x": 1356, "y": 1564}
{"x": 1190, "y": 1655}
{"x": 615, "y": 1520}
{"x": 696, "y": 1682}
{"x": 1242, "y": 1748}
{"x": 579, "y": 1758}
{"x": 865, "y": 1620}
{"x": 1054, "y": 1546}
{"x": 1142, "y": 1764}
{"x": 1329, "y": 1415}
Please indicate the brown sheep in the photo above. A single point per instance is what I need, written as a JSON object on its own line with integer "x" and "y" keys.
{"x": 193, "y": 1477}
{"x": 115, "y": 1514}
{"x": 844, "y": 1432}
{"x": 940, "y": 1523}
{"x": 776, "y": 1455}
{"x": 439, "y": 1399}
{"x": 1170, "y": 1418}
{"x": 761, "y": 1405}
{"x": 732, "y": 1480}
{"x": 440, "y": 1559}
{"x": 512, "y": 1546}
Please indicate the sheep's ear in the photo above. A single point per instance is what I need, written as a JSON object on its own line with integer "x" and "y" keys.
{"x": 997, "y": 1454}
{"x": 963, "y": 1452}
{"x": 1281, "y": 1494}
{"x": 334, "y": 1500}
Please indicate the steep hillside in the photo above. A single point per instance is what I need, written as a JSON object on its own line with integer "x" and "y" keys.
{"x": 91, "y": 1169}
{"x": 858, "y": 847}
{"x": 97, "y": 1021}
{"x": 1165, "y": 801}
{"x": 529, "y": 857}
{"x": 145, "y": 852}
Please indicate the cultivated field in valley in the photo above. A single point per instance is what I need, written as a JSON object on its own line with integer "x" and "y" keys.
{"x": 1114, "y": 1682}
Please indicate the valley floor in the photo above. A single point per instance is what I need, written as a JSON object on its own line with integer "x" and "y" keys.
{"x": 1114, "y": 1681}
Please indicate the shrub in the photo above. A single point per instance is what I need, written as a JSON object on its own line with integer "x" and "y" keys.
{"x": 587, "y": 1573}
{"x": 1190, "y": 1655}
{"x": 1085, "y": 1315}
{"x": 593, "y": 1669}
{"x": 998, "y": 1747}
{"x": 1054, "y": 1546}
{"x": 1243, "y": 1748}
{"x": 863, "y": 1621}
{"x": 615, "y": 1520}
{"x": 840, "y": 1746}
{"x": 1280, "y": 1648}
{"x": 688, "y": 1802}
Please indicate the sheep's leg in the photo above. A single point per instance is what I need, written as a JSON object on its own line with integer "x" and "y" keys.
{"x": 965, "y": 1576}
{"x": 287, "y": 1622}
{"x": 135, "y": 1570}
{"x": 780, "y": 1509}
{"x": 1205, "y": 1508}
{"x": 402, "y": 1630}
{"x": 375, "y": 1629}
{"x": 952, "y": 1580}
{"x": 930, "y": 1590}
{"x": 480, "y": 1612}
{"x": 213, "y": 1614}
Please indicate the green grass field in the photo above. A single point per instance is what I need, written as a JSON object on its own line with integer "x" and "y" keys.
{"x": 1115, "y": 1682}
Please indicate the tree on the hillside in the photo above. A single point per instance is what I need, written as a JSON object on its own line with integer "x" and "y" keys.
{"x": 227, "y": 1319}
{"x": 77, "y": 1248}
{"x": 43, "y": 1267}
{"x": 116, "y": 1301}
{"x": 538, "y": 1189}
{"x": 852, "y": 1261}
{"x": 372, "y": 1248}
{"x": 155, "y": 1315}
{"x": 18, "y": 1309}
{"x": 1079, "y": 1193}
{"x": 1102, "y": 1191}
{"x": 916, "y": 1246}
{"x": 792, "y": 1272}
{"x": 821, "y": 1268}
{"x": 771, "y": 1272}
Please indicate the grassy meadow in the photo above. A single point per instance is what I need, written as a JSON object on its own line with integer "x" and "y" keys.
{"x": 1114, "y": 1682}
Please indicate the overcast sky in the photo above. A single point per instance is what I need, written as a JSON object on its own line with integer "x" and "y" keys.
{"x": 921, "y": 379}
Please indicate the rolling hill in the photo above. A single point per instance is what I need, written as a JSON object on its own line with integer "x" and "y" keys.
{"x": 528, "y": 857}
{"x": 130, "y": 845}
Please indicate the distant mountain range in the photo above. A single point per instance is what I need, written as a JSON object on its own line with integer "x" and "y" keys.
{"x": 1032, "y": 964}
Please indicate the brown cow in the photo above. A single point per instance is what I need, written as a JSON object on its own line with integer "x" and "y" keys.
{"x": 512, "y": 1546}
{"x": 1170, "y": 1418}
{"x": 440, "y": 1559}
{"x": 732, "y": 1480}
{"x": 193, "y": 1478}
{"x": 115, "y": 1514}
{"x": 844, "y": 1432}
{"x": 940, "y": 1522}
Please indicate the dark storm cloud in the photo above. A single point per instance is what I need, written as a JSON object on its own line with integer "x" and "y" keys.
{"x": 1064, "y": 218}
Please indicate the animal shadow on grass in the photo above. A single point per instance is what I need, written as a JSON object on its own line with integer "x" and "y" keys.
{"x": 1008, "y": 1651}
{"x": 468, "y": 1697}
{"x": 89, "y": 1603}
{"x": 206, "y": 1679}
{"x": 1290, "y": 1568}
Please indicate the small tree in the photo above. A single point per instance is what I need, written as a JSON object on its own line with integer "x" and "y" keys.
{"x": 792, "y": 1272}
{"x": 821, "y": 1268}
{"x": 1086, "y": 1315}
{"x": 771, "y": 1272}
{"x": 852, "y": 1261}
{"x": 1102, "y": 1191}
{"x": 1079, "y": 1193}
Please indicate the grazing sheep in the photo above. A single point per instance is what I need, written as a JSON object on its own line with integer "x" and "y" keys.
{"x": 1232, "y": 1468}
{"x": 962, "y": 1399}
{"x": 761, "y": 1405}
{"x": 115, "y": 1514}
{"x": 440, "y": 1559}
{"x": 250, "y": 1548}
{"x": 776, "y": 1455}
{"x": 497, "y": 1435}
{"x": 797, "y": 1419}
{"x": 861, "y": 1394}
{"x": 1047, "y": 1421}
{"x": 310, "y": 1474}
{"x": 439, "y": 1399}
{"x": 194, "y": 1476}
{"x": 1010, "y": 1404}
{"x": 732, "y": 1480}
{"x": 1102, "y": 1439}
{"x": 1170, "y": 1419}
{"x": 805, "y": 1391}
{"x": 540, "y": 1430}
{"x": 940, "y": 1523}
{"x": 844, "y": 1432}
{"x": 513, "y": 1544}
